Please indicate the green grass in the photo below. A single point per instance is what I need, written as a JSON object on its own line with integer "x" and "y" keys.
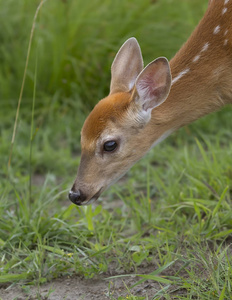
{"x": 174, "y": 208}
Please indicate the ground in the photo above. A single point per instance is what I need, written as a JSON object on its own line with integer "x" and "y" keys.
{"x": 77, "y": 288}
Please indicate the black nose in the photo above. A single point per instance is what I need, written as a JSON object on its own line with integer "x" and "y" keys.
{"x": 75, "y": 197}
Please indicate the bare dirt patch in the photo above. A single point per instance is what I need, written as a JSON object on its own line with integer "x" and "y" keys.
{"x": 70, "y": 288}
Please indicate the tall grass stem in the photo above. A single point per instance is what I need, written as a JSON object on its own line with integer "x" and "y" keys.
{"x": 24, "y": 78}
{"x": 32, "y": 127}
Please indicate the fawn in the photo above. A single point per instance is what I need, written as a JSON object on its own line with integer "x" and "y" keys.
{"x": 145, "y": 105}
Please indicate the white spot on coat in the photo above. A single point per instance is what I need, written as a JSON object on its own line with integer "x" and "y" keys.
{"x": 216, "y": 29}
{"x": 226, "y": 1}
{"x": 205, "y": 47}
{"x": 180, "y": 75}
{"x": 225, "y": 42}
{"x": 196, "y": 58}
{"x": 225, "y": 33}
{"x": 224, "y": 10}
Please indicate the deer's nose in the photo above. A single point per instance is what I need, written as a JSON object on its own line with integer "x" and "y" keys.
{"x": 76, "y": 197}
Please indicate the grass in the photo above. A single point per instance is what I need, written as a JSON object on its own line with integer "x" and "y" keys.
{"x": 174, "y": 209}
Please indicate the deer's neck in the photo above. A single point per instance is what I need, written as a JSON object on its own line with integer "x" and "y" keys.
{"x": 201, "y": 71}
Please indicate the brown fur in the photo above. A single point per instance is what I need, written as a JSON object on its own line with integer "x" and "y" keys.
{"x": 208, "y": 84}
{"x": 203, "y": 88}
{"x": 108, "y": 109}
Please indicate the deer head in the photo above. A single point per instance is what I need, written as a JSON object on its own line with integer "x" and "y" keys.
{"x": 116, "y": 133}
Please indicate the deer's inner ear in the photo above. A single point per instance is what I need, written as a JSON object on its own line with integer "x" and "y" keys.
{"x": 153, "y": 84}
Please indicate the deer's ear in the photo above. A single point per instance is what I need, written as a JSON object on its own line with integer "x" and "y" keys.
{"x": 153, "y": 85}
{"x": 126, "y": 66}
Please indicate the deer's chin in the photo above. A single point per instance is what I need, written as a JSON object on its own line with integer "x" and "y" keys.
{"x": 93, "y": 199}
{"x": 88, "y": 202}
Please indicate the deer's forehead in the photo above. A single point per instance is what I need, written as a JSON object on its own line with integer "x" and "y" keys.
{"x": 108, "y": 111}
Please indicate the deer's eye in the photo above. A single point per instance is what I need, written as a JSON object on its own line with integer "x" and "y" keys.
{"x": 110, "y": 146}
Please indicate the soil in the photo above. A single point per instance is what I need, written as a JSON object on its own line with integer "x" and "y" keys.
{"x": 76, "y": 288}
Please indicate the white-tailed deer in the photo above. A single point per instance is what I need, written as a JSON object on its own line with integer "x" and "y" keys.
{"x": 145, "y": 105}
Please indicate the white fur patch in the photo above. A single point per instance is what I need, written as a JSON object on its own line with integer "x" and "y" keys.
{"x": 205, "y": 47}
{"x": 196, "y": 58}
{"x": 225, "y": 33}
{"x": 180, "y": 75}
{"x": 226, "y": 1}
{"x": 216, "y": 30}
{"x": 224, "y": 10}
{"x": 225, "y": 42}
{"x": 144, "y": 89}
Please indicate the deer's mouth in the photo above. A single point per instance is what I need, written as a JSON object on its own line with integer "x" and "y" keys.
{"x": 92, "y": 199}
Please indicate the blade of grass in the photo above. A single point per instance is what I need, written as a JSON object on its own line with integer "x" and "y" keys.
{"x": 24, "y": 78}
{"x": 13, "y": 277}
{"x": 156, "y": 272}
{"x": 222, "y": 296}
{"x": 32, "y": 127}
{"x": 220, "y": 201}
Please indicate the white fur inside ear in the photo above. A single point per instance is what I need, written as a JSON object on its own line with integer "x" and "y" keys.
{"x": 153, "y": 84}
{"x": 144, "y": 89}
